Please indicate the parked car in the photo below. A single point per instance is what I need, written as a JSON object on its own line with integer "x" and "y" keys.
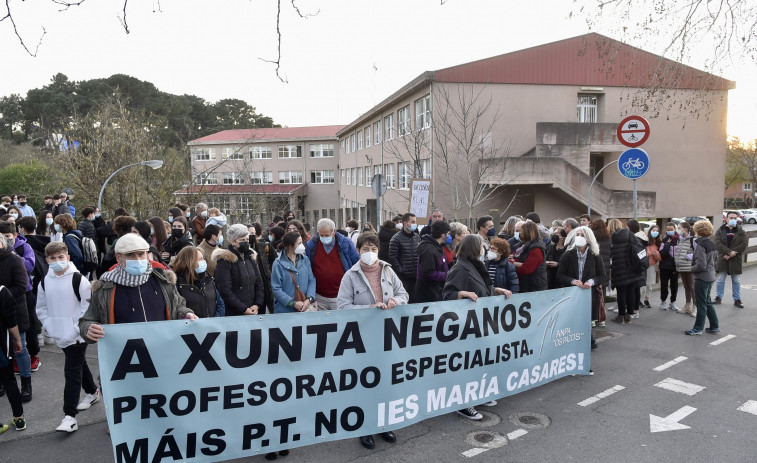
{"x": 739, "y": 219}
{"x": 750, "y": 215}
{"x": 694, "y": 219}
{"x": 645, "y": 224}
{"x": 677, "y": 220}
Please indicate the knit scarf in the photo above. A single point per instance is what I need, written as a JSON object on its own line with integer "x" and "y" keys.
{"x": 373, "y": 275}
{"x": 119, "y": 276}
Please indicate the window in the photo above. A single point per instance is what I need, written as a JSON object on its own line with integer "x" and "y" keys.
{"x": 403, "y": 172}
{"x": 423, "y": 113}
{"x": 322, "y": 176}
{"x": 354, "y": 176}
{"x": 290, "y": 176}
{"x": 207, "y": 179}
{"x": 360, "y": 140}
{"x": 747, "y": 186}
{"x": 367, "y": 131}
{"x": 347, "y": 148}
{"x": 341, "y": 143}
{"x": 389, "y": 127}
{"x": 389, "y": 174}
{"x": 587, "y": 108}
{"x": 233, "y": 178}
{"x": 203, "y": 154}
{"x": 403, "y": 121}
{"x": 261, "y": 178}
{"x": 290, "y": 151}
{"x": 260, "y": 152}
{"x": 376, "y": 170}
{"x": 323, "y": 150}
{"x": 359, "y": 176}
{"x": 232, "y": 153}
{"x": 377, "y": 132}
{"x": 349, "y": 176}
{"x": 352, "y": 142}
{"x": 426, "y": 168}
{"x": 244, "y": 205}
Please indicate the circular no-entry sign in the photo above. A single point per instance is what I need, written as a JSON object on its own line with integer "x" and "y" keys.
{"x": 633, "y": 131}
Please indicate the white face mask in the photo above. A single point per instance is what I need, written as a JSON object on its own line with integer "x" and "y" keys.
{"x": 579, "y": 241}
{"x": 300, "y": 249}
{"x": 348, "y": 229}
{"x": 398, "y": 226}
{"x": 204, "y": 214}
{"x": 369, "y": 258}
{"x": 491, "y": 255}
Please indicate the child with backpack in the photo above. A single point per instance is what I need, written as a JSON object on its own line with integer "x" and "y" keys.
{"x": 62, "y": 298}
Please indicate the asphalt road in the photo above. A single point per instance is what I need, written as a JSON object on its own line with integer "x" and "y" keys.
{"x": 554, "y": 422}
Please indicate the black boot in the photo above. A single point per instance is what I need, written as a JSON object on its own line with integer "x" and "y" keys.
{"x": 26, "y": 389}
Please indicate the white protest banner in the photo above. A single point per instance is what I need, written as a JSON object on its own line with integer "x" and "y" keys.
{"x": 420, "y": 197}
{"x": 221, "y": 388}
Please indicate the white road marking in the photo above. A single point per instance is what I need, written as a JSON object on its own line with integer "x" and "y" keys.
{"x": 723, "y": 339}
{"x": 473, "y": 452}
{"x": 516, "y": 434}
{"x": 600, "y": 396}
{"x": 667, "y": 365}
{"x": 670, "y": 422}
{"x": 679, "y": 386}
{"x": 750, "y": 406}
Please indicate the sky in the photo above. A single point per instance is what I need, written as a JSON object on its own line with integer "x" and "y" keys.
{"x": 338, "y": 63}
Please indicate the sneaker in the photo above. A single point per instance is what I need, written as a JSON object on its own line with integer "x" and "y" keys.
{"x": 737, "y": 303}
{"x": 619, "y": 319}
{"x": 717, "y": 301}
{"x": 88, "y": 400}
{"x": 19, "y": 423}
{"x": 3, "y": 428}
{"x": 40, "y": 340}
{"x": 635, "y": 315}
{"x": 68, "y": 424}
{"x": 664, "y": 305}
{"x": 491, "y": 403}
{"x": 593, "y": 324}
{"x": 712, "y": 330}
{"x": 591, "y": 372}
{"x": 602, "y": 324}
{"x": 471, "y": 414}
{"x": 693, "y": 314}
{"x": 36, "y": 363}
{"x": 647, "y": 304}
{"x": 693, "y": 332}
{"x": 613, "y": 308}
{"x": 673, "y": 307}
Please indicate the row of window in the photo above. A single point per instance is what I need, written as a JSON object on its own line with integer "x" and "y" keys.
{"x": 317, "y": 150}
{"x": 354, "y": 176}
{"x": 362, "y": 138}
{"x": 266, "y": 177}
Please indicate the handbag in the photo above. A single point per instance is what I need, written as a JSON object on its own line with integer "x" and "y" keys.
{"x": 299, "y": 296}
{"x": 600, "y": 301}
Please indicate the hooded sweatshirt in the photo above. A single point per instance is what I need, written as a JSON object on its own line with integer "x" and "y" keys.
{"x": 58, "y": 308}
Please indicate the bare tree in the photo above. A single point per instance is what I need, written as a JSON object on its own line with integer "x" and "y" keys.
{"x": 470, "y": 162}
{"x": 741, "y": 164}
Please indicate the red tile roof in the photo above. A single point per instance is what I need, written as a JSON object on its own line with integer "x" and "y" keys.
{"x": 276, "y": 189}
{"x": 281, "y": 133}
{"x": 587, "y": 60}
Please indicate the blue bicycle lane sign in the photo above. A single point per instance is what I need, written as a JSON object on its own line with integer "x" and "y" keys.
{"x": 633, "y": 163}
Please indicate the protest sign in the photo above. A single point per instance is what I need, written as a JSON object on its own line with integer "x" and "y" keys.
{"x": 222, "y": 388}
{"x": 420, "y": 197}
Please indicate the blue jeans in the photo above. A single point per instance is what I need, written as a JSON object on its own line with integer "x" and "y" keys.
{"x": 704, "y": 305}
{"x": 23, "y": 360}
{"x": 735, "y": 285}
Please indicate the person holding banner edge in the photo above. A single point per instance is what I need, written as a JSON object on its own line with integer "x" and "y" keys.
{"x": 360, "y": 286}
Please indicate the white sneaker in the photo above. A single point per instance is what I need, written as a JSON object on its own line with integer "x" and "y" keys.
{"x": 492, "y": 403}
{"x": 88, "y": 400}
{"x": 673, "y": 307}
{"x": 68, "y": 424}
{"x": 613, "y": 308}
{"x": 664, "y": 306}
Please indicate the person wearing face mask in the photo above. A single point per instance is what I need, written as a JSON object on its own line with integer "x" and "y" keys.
{"x": 668, "y": 273}
{"x": 237, "y": 275}
{"x": 14, "y": 212}
{"x": 86, "y": 226}
{"x": 386, "y": 231}
{"x": 292, "y": 279}
{"x": 515, "y": 242}
{"x": 682, "y": 254}
{"x": 331, "y": 255}
{"x": 353, "y": 230}
{"x": 121, "y": 226}
{"x": 24, "y": 207}
{"x": 195, "y": 285}
{"x": 64, "y": 223}
{"x": 201, "y": 217}
{"x": 145, "y": 230}
{"x": 555, "y": 250}
{"x": 266, "y": 257}
{"x": 371, "y": 282}
{"x": 179, "y": 239}
{"x": 45, "y": 224}
{"x": 529, "y": 261}
{"x": 213, "y": 240}
{"x": 432, "y": 263}
{"x": 458, "y": 231}
{"x": 486, "y": 230}
{"x": 275, "y": 235}
{"x": 403, "y": 253}
{"x": 653, "y": 253}
{"x": 582, "y": 266}
{"x": 501, "y": 270}
{"x": 731, "y": 241}
{"x": 133, "y": 292}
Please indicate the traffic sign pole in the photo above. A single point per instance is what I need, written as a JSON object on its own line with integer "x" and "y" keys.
{"x": 635, "y": 204}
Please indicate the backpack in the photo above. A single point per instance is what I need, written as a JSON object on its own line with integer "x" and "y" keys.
{"x": 637, "y": 255}
{"x": 89, "y": 253}
{"x": 40, "y": 266}
{"x": 75, "y": 282}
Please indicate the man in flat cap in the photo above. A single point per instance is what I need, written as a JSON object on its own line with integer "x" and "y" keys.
{"x": 132, "y": 292}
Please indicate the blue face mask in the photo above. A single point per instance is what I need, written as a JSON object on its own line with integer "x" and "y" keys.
{"x": 170, "y": 219}
{"x": 327, "y": 240}
{"x": 270, "y": 238}
{"x": 516, "y": 235}
{"x": 57, "y": 228}
{"x": 49, "y": 221}
{"x": 482, "y": 257}
{"x": 59, "y": 266}
{"x": 97, "y": 216}
{"x": 136, "y": 267}
{"x": 413, "y": 227}
{"x": 671, "y": 232}
{"x": 220, "y": 240}
{"x": 201, "y": 267}
{"x": 732, "y": 223}
{"x": 449, "y": 239}
{"x": 654, "y": 234}
{"x": 491, "y": 232}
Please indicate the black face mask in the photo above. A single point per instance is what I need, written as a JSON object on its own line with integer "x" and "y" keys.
{"x": 177, "y": 232}
{"x": 244, "y": 247}
{"x": 22, "y": 203}
{"x": 253, "y": 239}
{"x": 563, "y": 233}
{"x": 555, "y": 239}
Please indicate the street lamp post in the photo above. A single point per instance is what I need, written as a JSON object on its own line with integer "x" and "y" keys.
{"x": 155, "y": 164}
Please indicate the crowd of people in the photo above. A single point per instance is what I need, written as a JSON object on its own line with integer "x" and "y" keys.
{"x": 61, "y": 278}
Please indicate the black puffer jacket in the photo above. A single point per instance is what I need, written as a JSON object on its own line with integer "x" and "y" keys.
{"x": 621, "y": 274}
{"x": 200, "y": 296}
{"x": 87, "y": 229}
{"x": 403, "y": 254}
{"x": 605, "y": 251}
{"x": 668, "y": 261}
{"x": 172, "y": 246}
{"x": 385, "y": 235}
{"x": 238, "y": 280}
{"x": 553, "y": 255}
{"x": 13, "y": 276}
